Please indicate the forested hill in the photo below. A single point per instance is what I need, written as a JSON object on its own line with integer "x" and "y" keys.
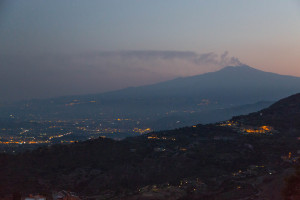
{"x": 202, "y": 161}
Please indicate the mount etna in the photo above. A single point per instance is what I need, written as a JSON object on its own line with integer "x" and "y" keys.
{"x": 205, "y": 98}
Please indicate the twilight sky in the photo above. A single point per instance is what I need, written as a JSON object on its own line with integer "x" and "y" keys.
{"x": 64, "y": 47}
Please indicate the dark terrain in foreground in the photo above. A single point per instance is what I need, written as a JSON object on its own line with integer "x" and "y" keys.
{"x": 238, "y": 159}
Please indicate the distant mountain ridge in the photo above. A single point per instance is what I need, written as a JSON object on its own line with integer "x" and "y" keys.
{"x": 201, "y": 95}
{"x": 231, "y": 85}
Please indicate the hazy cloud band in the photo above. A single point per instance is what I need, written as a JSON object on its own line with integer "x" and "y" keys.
{"x": 48, "y": 76}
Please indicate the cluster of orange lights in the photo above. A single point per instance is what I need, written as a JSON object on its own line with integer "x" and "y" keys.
{"x": 27, "y": 141}
{"x": 24, "y": 142}
{"x": 59, "y": 136}
{"x": 142, "y": 131}
{"x": 32, "y": 142}
{"x": 154, "y": 137}
{"x": 229, "y": 123}
{"x": 262, "y": 129}
{"x": 250, "y": 130}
